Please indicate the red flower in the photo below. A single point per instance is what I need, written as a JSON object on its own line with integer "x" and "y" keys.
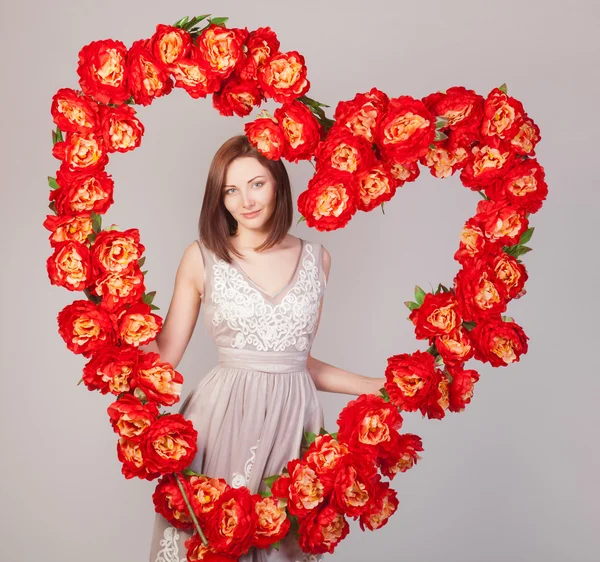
{"x": 130, "y": 418}
{"x": 322, "y": 530}
{"x": 170, "y": 503}
{"x": 343, "y": 151}
{"x": 403, "y": 171}
{"x": 353, "y": 485}
{"x": 502, "y": 115}
{"x": 454, "y": 347}
{"x": 231, "y": 526}
{"x": 272, "y": 523}
{"x": 498, "y": 342}
{"x": 262, "y": 43}
{"x": 524, "y": 187}
{"x": 237, "y": 97}
{"x": 81, "y": 152}
{"x": 206, "y": 492}
{"x": 306, "y": 490}
{"x": 461, "y": 387}
{"x": 527, "y": 137}
{"x": 330, "y": 200}
{"x": 74, "y": 112}
{"x": 193, "y": 74}
{"x": 85, "y": 327}
{"x": 158, "y": 380}
{"x": 366, "y": 423}
{"x": 406, "y": 130}
{"x": 119, "y": 289}
{"x": 170, "y": 444}
{"x": 221, "y": 49}
{"x": 501, "y": 222}
{"x": 136, "y": 325}
{"x": 486, "y": 163}
{"x": 121, "y": 129}
{"x": 443, "y": 159}
{"x": 385, "y": 505}
{"x": 111, "y": 369}
{"x": 437, "y": 315}
{"x": 266, "y": 136}
{"x": 472, "y": 242}
{"x": 323, "y": 455}
{"x": 148, "y": 79}
{"x": 375, "y": 186}
{"x": 283, "y": 77}
{"x": 169, "y": 45}
{"x": 362, "y": 114}
{"x": 399, "y": 454}
{"x": 508, "y": 270}
{"x": 301, "y": 131}
{"x": 102, "y": 71}
{"x": 132, "y": 454}
{"x": 116, "y": 252}
{"x": 413, "y": 383}
{"x": 82, "y": 191}
{"x": 69, "y": 266}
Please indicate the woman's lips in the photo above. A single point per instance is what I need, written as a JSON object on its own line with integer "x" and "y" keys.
{"x": 252, "y": 215}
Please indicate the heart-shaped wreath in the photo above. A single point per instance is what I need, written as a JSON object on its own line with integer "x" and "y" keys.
{"x": 371, "y": 147}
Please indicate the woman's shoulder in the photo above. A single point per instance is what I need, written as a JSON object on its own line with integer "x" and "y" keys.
{"x": 192, "y": 265}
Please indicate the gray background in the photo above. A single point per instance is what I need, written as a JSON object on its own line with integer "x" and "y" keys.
{"x": 515, "y": 476}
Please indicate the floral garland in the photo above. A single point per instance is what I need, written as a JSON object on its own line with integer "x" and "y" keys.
{"x": 371, "y": 148}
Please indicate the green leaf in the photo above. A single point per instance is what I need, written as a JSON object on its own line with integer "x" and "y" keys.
{"x": 483, "y": 195}
{"x": 469, "y": 325}
{"x": 334, "y": 435}
{"x": 181, "y": 22}
{"x": 276, "y": 545}
{"x": 503, "y": 88}
{"x": 54, "y": 138}
{"x": 441, "y": 122}
{"x": 140, "y": 395}
{"x": 411, "y": 305}
{"x": 521, "y": 250}
{"x": 439, "y": 360}
{"x": 440, "y": 136}
{"x": 142, "y": 261}
{"x": 385, "y": 394}
{"x": 144, "y": 272}
{"x": 218, "y": 21}
{"x": 59, "y": 135}
{"x": 432, "y": 146}
{"x": 507, "y": 319}
{"x": 382, "y": 209}
{"x": 52, "y": 182}
{"x": 266, "y": 494}
{"x": 301, "y": 219}
{"x": 190, "y": 472}
{"x": 419, "y": 295}
{"x": 309, "y": 437}
{"x": 154, "y": 307}
{"x": 323, "y": 431}
{"x": 96, "y": 223}
{"x": 91, "y": 237}
{"x": 269, "y": 480}
{"x": 194, "y": 21}
{"x": 52, "y": 207}
{"x": 526, "y": 236}
{"x": 80, "y": 381}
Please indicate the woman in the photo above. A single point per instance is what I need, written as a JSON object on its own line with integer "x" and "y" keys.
{"x": 262, "y": 289}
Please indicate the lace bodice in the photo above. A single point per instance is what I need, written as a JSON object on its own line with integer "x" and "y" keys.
{"x": 240, "y": 315}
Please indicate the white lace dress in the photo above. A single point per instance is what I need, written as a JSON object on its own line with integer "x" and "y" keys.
{"x": 252, "y": 409}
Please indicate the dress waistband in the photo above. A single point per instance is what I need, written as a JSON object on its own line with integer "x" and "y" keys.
{"x": 267, "y": 361}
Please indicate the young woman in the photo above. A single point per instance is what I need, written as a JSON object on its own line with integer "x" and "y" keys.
{"x": 262, "y": 290}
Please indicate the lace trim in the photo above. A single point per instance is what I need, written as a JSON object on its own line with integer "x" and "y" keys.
{"x": 170, "y": 550}
{"x": 310, "y": 558}
{"x": 240, "y": 480}
{"x": 260, "y": 323}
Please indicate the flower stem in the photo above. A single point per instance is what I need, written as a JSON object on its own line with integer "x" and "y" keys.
{"x": 189, "y": 506}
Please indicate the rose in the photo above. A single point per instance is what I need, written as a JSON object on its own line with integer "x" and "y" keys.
{"x": 362, "y": 114}
{"x": 301, "y": 131}
{"x": 406, "y": 129}
{"x": 168, "y": 45}
{"x": 366, "y": 423}
{"x": 74, "y": 112}
{"x": 498, "y": 342}
{"x": 81, "y": 152}
{"x": 111, "y": 369}
{"x": 527, "y": 137}
{"x": 116, "y": 252}
{"x": 283, "y": 77}
{"x": 85, "y": 327}
{"x": 69, "y": 266}
{"x": 170, "y": 503}
{"x": 158, "y": 380}
{"x": 272, "y": 523}
{"x": 385, "y": 506}
{"x": 76, "y": 227}
{"x": 147, "y": 79}
{"x": 443, "y": 160}
{"x": 261, "y": 44}
{"x": 343, "y": 151}
{"x": 205, "y": 492}
{"x": 230, "y": 527}
{"x": 102, "y": 71}
{"x": 486, "y": 163}
{"x": 170, "y": 444}
{"x": 330, "y": 200}
{"x": 82, "y": 191}
{"x": 502, "y": 115}
{"x": 463, "y": 111}
{"x": 117, "y": 289}
{"x": 237, "y": 96}
{"x": 129, "y": 417}
{"x": 524, "y": 187}
{"x": 136, "y": 325}
{"x": 266, "y": 136}
{"x": 375, "y": 186}
{"x": 501, "y": 222}
{"x": 479, "y": 293}
{"x": 221, "y": 48}
{"x": 322, "y": 530}
{"x": 193, "y": 75}
{"x": 437, "y": 315}
{"x": 399, "y": 454}
{"x": 461, "y": 387}
{"x": 131, "y": 453}
{"x": 454, "y": 347}
{"x": 412, "y": 383}
{"x": 120, "y": 129}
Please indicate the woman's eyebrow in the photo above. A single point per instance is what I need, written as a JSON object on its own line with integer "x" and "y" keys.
{"x": 248, "y": 181}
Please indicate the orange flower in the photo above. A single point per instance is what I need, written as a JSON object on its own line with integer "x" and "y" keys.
{"x": 159, "y": 380}
{"x": 115, "y": 251}
{"x": 75, "y": 227}
{"x": 283, "y": 77}
{"x": 272, "y": 522}
{"x": 69, "y": 266}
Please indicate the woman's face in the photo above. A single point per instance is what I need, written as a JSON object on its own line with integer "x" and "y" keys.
{"x": 249, "y": 188}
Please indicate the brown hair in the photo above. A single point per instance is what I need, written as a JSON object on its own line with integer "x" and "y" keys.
{"x": 216, "y": 224}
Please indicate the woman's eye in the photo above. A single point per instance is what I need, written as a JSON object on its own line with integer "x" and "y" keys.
{"x": 258, "y": 183}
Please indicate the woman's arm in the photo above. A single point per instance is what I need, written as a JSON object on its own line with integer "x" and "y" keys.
{"x": 331, "y": 379}
{"x": 182, "y": 316}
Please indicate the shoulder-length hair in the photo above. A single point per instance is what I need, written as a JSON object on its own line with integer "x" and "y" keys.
{"x": 216, "y": 224}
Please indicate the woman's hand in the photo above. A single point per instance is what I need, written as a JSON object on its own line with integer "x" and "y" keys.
{"x": 375, "y": 385}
